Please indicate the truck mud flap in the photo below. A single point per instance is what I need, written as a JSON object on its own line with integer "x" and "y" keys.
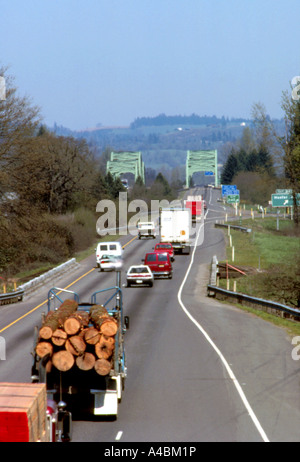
{"x": 106, "y": 401}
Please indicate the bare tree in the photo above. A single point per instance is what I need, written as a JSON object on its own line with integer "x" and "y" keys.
{"x": 290, "y": 144}
{"x": 18, "y": 121}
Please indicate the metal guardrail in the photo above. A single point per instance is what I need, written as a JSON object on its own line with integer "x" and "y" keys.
{"x": 240, "y": 228}
{"x": 265, "y": 305}
{"x": 11, "y": 297}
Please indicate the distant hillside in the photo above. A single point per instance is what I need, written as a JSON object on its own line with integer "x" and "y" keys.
{"x": 179, "y": 120}
{"x": 165, "y": 140}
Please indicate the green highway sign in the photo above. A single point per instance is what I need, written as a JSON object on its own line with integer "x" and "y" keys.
{"x": 284, "y": 191}
{"x": 284, "y": 200}
{"x": 232, "y": 198}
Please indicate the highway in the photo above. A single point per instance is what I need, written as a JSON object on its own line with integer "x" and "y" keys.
{"x": 198, "y": 370}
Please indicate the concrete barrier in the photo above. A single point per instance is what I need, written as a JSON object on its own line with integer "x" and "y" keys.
{"x": 49, "y": 276}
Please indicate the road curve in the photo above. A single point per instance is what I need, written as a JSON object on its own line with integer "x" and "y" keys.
{"x": 198, "y": 370}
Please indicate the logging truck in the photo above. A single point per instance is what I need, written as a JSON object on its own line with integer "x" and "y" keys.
{"x": 79, "y": 351}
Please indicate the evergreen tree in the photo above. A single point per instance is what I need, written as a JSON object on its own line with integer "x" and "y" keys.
{"x": 230, "y": 169}
{"x": 114, "y": 185}
{"x": 160, "y": 179}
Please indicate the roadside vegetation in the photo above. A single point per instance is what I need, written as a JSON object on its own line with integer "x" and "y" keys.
{"x": 50, "y": 185}
{"x": 270, "y": 257}
{"x": 262, "y": 161}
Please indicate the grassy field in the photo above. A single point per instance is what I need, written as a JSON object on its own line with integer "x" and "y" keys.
{"x": 272, "y": 255}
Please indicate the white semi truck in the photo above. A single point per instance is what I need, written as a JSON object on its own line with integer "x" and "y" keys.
{"x": 175, "y": 228}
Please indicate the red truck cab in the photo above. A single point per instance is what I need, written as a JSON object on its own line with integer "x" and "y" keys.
{"x": 163, "y": 247}
{"x": 159, "y": 263}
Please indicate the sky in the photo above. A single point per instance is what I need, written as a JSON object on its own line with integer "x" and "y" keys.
{"x": 90, "y": 62}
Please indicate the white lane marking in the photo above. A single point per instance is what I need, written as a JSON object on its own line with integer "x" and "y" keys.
{"x": 229, "y": 370}
{"x": 119, "y": 436}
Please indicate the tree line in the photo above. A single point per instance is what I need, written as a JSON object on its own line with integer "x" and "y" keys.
{"x": 49, "y": 188}
{"x": 193, "y": 119}
{"x": 263, "y": 160}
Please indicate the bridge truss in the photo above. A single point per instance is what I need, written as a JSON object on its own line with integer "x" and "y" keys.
{"x": 201, "y": 161}
{"x": 126, "y": 162}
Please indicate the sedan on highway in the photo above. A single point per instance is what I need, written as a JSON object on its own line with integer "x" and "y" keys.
{"x": 140, "y": 274}
{"x": 110, "y": 263}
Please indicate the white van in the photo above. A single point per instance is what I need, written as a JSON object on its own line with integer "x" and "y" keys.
{"x": 108, "y": 248}
{"x": 146, "y": 229}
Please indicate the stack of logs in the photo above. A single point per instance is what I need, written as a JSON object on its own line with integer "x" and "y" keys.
{"x": 69, "y": 336}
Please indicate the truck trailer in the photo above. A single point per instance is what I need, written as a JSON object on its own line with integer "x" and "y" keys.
{"x": 194, "y": 203}
{"x": 175, "y": 228}
{"x": 28, "y": 416}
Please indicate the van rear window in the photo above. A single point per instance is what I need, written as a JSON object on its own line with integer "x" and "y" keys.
{"x": 103, "y": 247}
{"x": 151, "y": 257}
{"x": 113, "y": 247}
{"x": 162, "y": 257}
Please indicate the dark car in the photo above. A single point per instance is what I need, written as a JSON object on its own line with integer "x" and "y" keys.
{"x": 159, "y": 263}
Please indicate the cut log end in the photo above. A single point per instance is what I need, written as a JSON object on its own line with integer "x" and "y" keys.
{"x": 76, "y": 345}
{"x": 63, "y": 360}
{"x": 45, "y": 332}
{"x": 91, "y": 336}
{"x": 43, "y": 349}
{"x": 102, "y": 367}
{"x": 109, "y": 327}
{"x": 86, "y": 361}
{"x": 59, "y": 337}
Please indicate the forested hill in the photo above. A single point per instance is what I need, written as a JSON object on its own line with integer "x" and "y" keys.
{"x": 164, "y": 140}
{"x": 179, "y": 120}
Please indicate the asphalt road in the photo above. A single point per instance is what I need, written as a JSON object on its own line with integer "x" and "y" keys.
{"x": 198, "y": 370}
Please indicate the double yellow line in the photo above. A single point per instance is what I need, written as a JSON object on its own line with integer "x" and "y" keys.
{"x": 45, "y": 301}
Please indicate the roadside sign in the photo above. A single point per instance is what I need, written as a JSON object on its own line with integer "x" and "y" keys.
{"x": 284, "y": 200}
{"x": 228, "y": 189}
{"x": 233, "y": 198}
{"x": 284, "y": 191}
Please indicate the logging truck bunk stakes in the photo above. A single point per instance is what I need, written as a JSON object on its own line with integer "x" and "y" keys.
{"x": 85, "y": 367}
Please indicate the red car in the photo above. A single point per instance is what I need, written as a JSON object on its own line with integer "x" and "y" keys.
{"x": 165, "y": 247}
{"x": 159, "y": 263}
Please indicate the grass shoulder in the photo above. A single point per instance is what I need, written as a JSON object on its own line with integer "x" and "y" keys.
{"x": 271, "y": 260}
